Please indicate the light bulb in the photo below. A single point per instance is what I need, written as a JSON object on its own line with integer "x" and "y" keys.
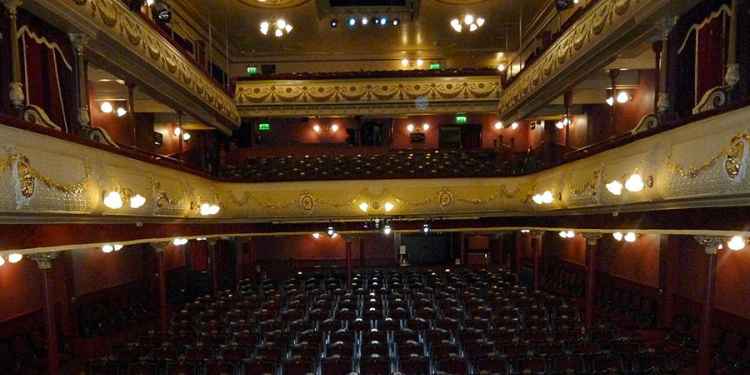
{"x": 264, "y": 26}
{"x": 281, "y": 23}
{"x": 559, "y": 125}
{"x": 425, "y": 127}
{"x": 426, "y": 228}
{"x": 387, "y": 229}
{"x": 420, "y": 62}
{"x": 629, "y": 237}
{"x": 537, "y": 198}
{"x": 364, "y": 206}
{"x": 117, "y": 247}
{"x": 334, "y": 128}
{"x": 2, "y": 261}
{"x": 498, "y": 125}
{"x": 634, "y": 183}
{"x": 15, "y": 257}
{"x": 177, "y": 131}
{"x": 137, "y": 201}
{"x": 473, "y": 27}
{"x": 457, "y": 26}
{"x": 186, "y": 136}
{"x": 623, "y": 97}
{"x": 404, "y": 62}
{"x": 352, "y": 22}
{"x": 388, "y": 206}
{"x": 563, "y": 234}
{"x": 611, "y": 101}
{"x": 179, "y": 241}
{"x": 514, "y": 126}
{"x": 106, "y": 107}
{"x": 410, "y": 128}
{"x": 617, "y": 236}
{"x": 547, "y": 197}
{"x": 365, "y": 21}
{"x": 288, "y": 28}
{"x": 107, "y": 248}
{"x": 316, "y": 128}
{"x": 737, "y": 243}
{"x": 571, "y": 234}
{"x": 331, "y": 231}
{"x": 214, "y": 209}
{"x": 121, "y": 111}
{"x": 205, "y": 209}
{"x": 480, "y": 21}
{"x": 468, "y": 19}
{"x": 615, "y": 187}
{"x": 316, "y": 235}
{"x": 501, "y": 67}
{"x": 113, "y": 200}
{"x": 278, "y": 33}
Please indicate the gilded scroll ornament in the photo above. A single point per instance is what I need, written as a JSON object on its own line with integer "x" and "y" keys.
{"x": 732, "y": 165}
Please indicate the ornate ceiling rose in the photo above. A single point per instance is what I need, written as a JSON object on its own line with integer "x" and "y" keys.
{"x": 460, "y": 2}
{"x": 278, "y": 4}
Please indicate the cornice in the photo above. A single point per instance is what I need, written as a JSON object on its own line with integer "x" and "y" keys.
{"x": 111, "y": 22}
{"x": 583, "y": 48}
{"x": 353, "y": 96}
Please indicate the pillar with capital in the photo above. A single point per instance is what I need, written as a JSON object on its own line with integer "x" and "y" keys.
{"x": 46, "y": 264}
{"x": 592, "y": 247}
{"x": 16, "y": 93}
{"x": 705, "y": 352}
{"x": 79, "y": 42}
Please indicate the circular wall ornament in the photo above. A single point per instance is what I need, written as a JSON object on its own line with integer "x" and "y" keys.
{"x": 278, "y": 4}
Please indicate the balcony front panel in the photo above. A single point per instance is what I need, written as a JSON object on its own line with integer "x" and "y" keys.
{"x": 367, "y": 96}
{"x": 45, "y": 179}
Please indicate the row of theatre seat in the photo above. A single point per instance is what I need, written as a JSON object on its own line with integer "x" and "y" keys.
{"x": 631, "y": 309}
{"x": 412, "y": 163}
{"x": 386, "y": 322}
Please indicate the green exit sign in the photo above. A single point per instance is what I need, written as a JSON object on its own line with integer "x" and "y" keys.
{"x": 461, "y": 119}
{"x": 252, "y": 70}
{"x": 435, "y": 66}
{"x": 264, "y": 126}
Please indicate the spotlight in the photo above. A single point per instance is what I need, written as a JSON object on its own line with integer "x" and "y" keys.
{"x": 498, "y": 125}
{"x": 137, "y": 201}
{"x": 615, "y": 187}
{"x": 387, "y": 229}
{"x": 364, "y": 206}
{"x": 15, "y": 257}
{"x": 388, "y": 206}
{"x": 106, "y": 107}
{"x": 630, "y": 237}
{"x": 331, "y": 231}
{"x": 514, "y": 126}
{"x": 634, "y": 183}
{"x": 617, "y": 236}
{"x": 179, "y": 241}
{"x": 737, "y": 243}
{"x": 113, "y": 200}
{"x": 121, "y": 111}
{"x": 334, "y": 23}
{"x": 316, "y": 235}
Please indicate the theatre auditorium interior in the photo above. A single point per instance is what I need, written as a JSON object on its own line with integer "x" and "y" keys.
{"x": 374, "y": 187}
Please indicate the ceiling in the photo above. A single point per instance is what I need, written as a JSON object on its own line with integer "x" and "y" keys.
{"x": 427, "y": 35}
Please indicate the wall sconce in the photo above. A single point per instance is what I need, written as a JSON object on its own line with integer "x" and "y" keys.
{"x": 186, "y": 137}
{"x": 567, "y": 234}
{"x": 177, "y": 131}
{"x": 108, "y": 248}
{"x": 410, "y": 128}
{"x": 179, "y": 241}
{"x": 630, "y": 237}
{"x": 514, "y": 125}
{"x": 316, "y": 235}
{"x": 425, "y": 127}
{"x": 615, "y": 187}
{"x": 544, "y": 198}
{"x": 15, "y": 258}
{"x": 617, "y": 236}
{"x": 317, "y": 128}
{"x": 498, "y": 125}
{"x": 113, "y": 200}
{"x": 736, "y": 243}
{"x": 209, "y": 209}
{"x": 389, "y": 206}
{"x": 334, "y": 128}
{"x": 633, "y": 184}
{"x": 364, "y": 207}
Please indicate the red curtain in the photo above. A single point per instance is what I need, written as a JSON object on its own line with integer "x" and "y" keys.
{"x": 711, "y": 54}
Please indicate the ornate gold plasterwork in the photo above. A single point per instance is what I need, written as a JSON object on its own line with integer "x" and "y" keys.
{"x": 732, "y": 164}
{"x": 27, "y": 176}
{"x": 274, "y": 3}
{"x": 316, "y": 96}
{"x": 589, "y": 186}
{"x": 602, "y": 20}
{"x": 120, "y": 24}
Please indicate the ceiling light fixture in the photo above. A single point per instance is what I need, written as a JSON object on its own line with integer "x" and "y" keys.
{"x": 469, "y": 21}
{"x": 396, "y": 22}
{"x": 365, "y": 21}
{"x": 334, "y": 23}
{"x": 106, "y": 249}
{"x": 280, "y": 27}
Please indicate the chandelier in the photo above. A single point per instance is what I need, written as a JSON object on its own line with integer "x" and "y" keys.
{"x": 469, "y": 22}
{"x": 280, "y": 27}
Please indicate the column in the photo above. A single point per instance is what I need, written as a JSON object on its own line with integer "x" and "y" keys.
{"x": 79, "y": 42}
{"x": 536, "y": 249}
{"x": 46, "y": 262}
{"x": 657, "y": 47}
{"x": 16, "y": 94}
{"x": 592, "y": 247}
{"x": 732, "y": 75}
{"x": 669, "y": 277}
{"x": 361, "y": 252}
{"x": 705, "y": 352}
{"x": 348, "y": 240}
{"x": 212, "y": 265}
{"x": 159, "y": 249}
{"x": 663, "y": 104}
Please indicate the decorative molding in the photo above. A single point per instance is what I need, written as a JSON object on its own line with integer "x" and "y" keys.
{"x": 275, "y": 4}
{"x": 710, "y": 244}
{"x": 592, "y": 238}
{"x": 45, "y": 261}
{"x": 117, "y": 22}
{"x": 367, "y": 96}
{"x": 596, "y": 31}
{"x": 647, "y": 122}
{"x": 715, "y": 98}
{"x": 37, "y": 115}
{"x": 45, "y": 178}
